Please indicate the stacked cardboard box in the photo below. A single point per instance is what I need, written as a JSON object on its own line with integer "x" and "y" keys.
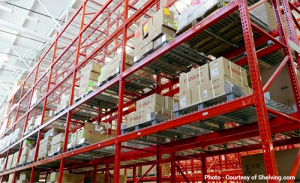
{"x": 17, "y": 135}
{"x": 10, "y": 177}
{"x": 212, "y": 80}
{"x": 72, "y": 140}
{"x": 151, "y": 34}
{"x": 88, "y": 78}
{"x": 53, "y": 132}
{"x": 112, "y": 67}
{"x": 9, "y": 161}
{"x": 30, "y": 124}
{"x": 26, "y": 146}
{"x": 15, "y": 159}
{"x": 88, "y": 135}
{"x": 265, "y": 15}
{"x": 45, "y": 145}
{"x": 67, "y": 178}
{"x": 35, "y": 97}
{"x": 2, "y": 163}
{"x": 38, "y": 120}
{"x": 31, "y": 155}
{"x": 152, "y": 104}
{"x": 57, "y": 143}
{"x": 64, "y": 102}
{"x": 24, "y": 177}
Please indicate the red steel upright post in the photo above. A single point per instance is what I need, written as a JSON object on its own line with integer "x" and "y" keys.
{"x": 258, "y": 94}
{"x": 286, "y": 50}
{"x": 121, "y": 96}
{"x": 43, "y": 115}
{"x": 62, "y": 162}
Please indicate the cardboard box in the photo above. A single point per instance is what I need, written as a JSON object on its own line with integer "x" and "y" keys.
{"x": 138, "y": 36}
{"x": 185, "y": 98}
{"x": 103, "y": 75}
{"x": 9, "y": 161}
{"x": 137, "y": 117}
{"x": 89, "y": 137}
{"x": 196, "y": 94}
{"x": 265, "y": 15}
{"x": 31, "y": 155}
{"x": 219, "y": 86}
{"x": 10, "y": 177}
{"x": 151, "y": 100}
{"x": 129, "y": 120}
{"x": 25, "y": 176}
{"x": 147, "y": 48}
{"x": 72, "y": 140}
{"x": 224, "y": 67}
{"x": 254, "y": 165}
{"x": 169, "y": 102}
{"x": 88, "y": 76}
{"x": 91, "y": 67}
{"x": 15, "y": 159}
{"x": 147, "y": 26}
{"x": 53, "y": 131}
{"x": 164, "y": 17}
{"x": 195, "y": 77}
{"x": 58, "y": 138}
{"x": 280, "y": 90}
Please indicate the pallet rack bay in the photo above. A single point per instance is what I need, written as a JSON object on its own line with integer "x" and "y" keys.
{"x": 198, "y": 153}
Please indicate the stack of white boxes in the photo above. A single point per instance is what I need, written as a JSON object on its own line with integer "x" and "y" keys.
{"x": 64, "y": 103}
{"x": 57, "y": 143}
{"x": 26, "y": 147}
{"x": 212, "y": 80}
{"x": 112, "y": 67}
{"x": 155, "y": 103}
{"x": 88, "y": 78}
{"x": 30, "y": 124}
{"x": 45, "y": 146}
{"x": 35, "y": 97}
{"x": 15, "y": 159}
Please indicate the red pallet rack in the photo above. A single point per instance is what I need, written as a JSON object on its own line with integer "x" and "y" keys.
{"x": 55, "y": 81}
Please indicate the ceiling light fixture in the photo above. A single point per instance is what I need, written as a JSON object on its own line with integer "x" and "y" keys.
{"x": 3, "y": 57}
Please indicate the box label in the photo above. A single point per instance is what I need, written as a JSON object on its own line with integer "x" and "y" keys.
{"x": 166, "y": 11}
{"x": 214, "y": 72}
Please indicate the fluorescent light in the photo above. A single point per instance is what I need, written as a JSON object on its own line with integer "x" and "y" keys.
{"x": 3, "y": 57}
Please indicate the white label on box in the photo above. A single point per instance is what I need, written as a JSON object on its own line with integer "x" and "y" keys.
{"x": 214, "y": 72}
{"x": 205, "y": 94}
{"x": 183, "y": 101}
{"x": 148, "y": 116}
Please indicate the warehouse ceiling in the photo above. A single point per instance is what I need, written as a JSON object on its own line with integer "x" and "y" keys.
{"x": 27, "y": 28}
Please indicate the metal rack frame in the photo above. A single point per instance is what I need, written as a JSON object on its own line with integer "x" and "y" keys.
{"x": 269, "y": 120}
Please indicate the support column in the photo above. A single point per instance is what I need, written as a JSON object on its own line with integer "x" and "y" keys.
{"x": 69, "y": 114}
{"x": 134, "y": 173}
{"x": 258, "y": 94}
{"x": 121, "y": 97}
{"x": 158, "y": 166}
{"x": 106, "y": 173}
{"x": 204, "y": 168}
{"x": 173, "y": 167}
{"x": 95, "y": 172}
